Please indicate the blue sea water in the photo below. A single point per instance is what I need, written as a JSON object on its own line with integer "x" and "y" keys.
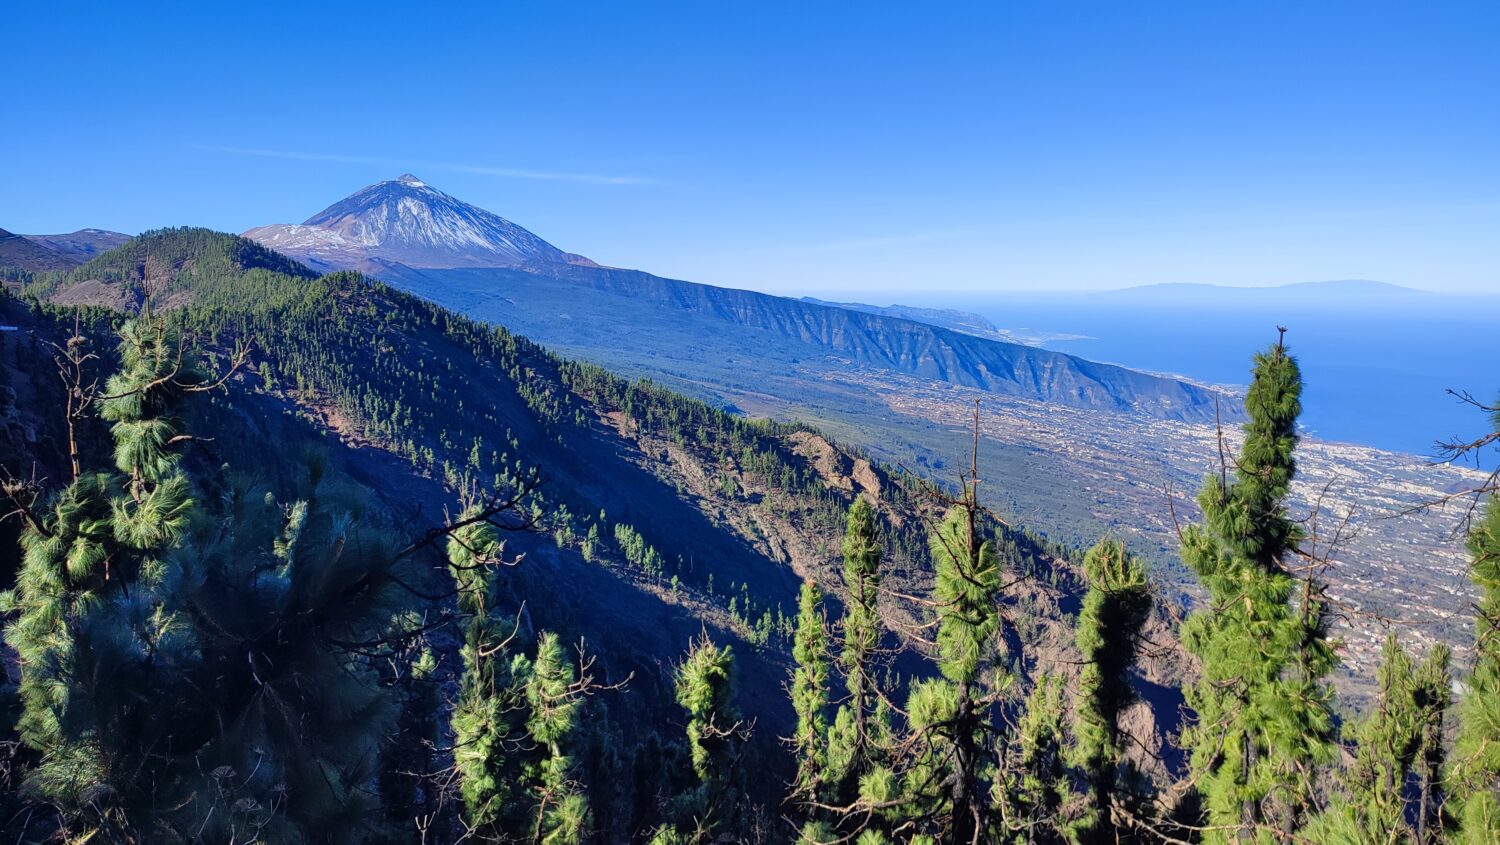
{"x": 1376, "y": 368}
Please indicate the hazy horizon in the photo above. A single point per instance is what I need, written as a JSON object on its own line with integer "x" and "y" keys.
{"x": 927, "y": 294}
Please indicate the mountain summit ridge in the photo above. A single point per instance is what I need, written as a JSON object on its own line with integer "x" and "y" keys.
{"x": 405, "y": 221}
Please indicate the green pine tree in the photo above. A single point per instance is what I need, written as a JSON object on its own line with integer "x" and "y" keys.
{"x": 968, "y": 583}
{"x": 516, "y": 719}
{"x": 185, "y": 667}
{"x": 715, "y": 734}
{"x": 1034, "y": 792}
{"x": 1434, "y": 696}
{"x": 861, "y": 731}
{"x": 291, "y": 608}
{"x": 553, "y": 727}
{"x": 949, "y": 788}
{"x": 810, "y": 694}
{"x": 1262, "y": 704}
{"x": 90, "y": 584}
{"x": 1114, "y": 611}
{"x": 1375, "y": 803}
{"x": 1474, "y": 771}
{"x": 488, "y": 716}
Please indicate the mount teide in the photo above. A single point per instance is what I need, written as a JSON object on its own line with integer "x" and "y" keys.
{"x": 407, "y": 222}
{"x": 698, "y": 337}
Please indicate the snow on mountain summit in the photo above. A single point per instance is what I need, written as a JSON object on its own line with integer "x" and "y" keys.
{"x": 407, "y": 221}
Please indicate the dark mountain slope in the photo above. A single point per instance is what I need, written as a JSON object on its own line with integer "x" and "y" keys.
{"x": 82, "y": 244}
{"x": 456, "y": 402}
{"x": 661, "y": 516}
{"x": 752, "y": 504}
{"x": 19, "y": 251}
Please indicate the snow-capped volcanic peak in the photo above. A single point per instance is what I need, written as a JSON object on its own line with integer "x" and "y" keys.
{"x": 407, "y": 221}
{"x": 408, "y": 216}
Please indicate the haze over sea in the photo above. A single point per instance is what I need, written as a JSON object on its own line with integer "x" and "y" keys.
{"x": 1377, "y": 359}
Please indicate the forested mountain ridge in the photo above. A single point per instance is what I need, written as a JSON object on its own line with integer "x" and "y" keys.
{"x": 82, "y": 244}
{"x": 224, "y": 636}
{"x": 662, "y": 514}
{"x": 358, "y": 355}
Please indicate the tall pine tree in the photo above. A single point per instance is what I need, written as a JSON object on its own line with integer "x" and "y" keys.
{"x": 1036, "y": 783}
{"x": 1108, "y": 637}
{"x": 1474, "y": 771}
{"x": 90, "y": 585}
{"x": 860, "y": 734}
{"x": 1388, "y": 790}
{"x": 948, "y": 791}
{"x": 559, "y": 806}
{"x": 810, "y": 695}
{"x": 186, "y": 668}
{"x": 715, "y": 734}
{"x": 488, "y": 716}
{"x": 517, "y": 719}
{"x": 1262, "y": 704}
{"x": 1434, "y": 696}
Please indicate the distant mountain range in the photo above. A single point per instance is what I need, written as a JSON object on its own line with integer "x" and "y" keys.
{"x": 37, "y": 253}
{"x": 464, "y": 257}
{"x": 19, "y": 251}
{"x": 83, "y": 244}
{"x": 1339, "y": 291}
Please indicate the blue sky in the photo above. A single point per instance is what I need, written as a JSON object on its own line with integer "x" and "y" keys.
{"x": 826, "y": 148}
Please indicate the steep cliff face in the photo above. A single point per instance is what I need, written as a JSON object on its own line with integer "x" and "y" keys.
{"x": 587, "y": 309}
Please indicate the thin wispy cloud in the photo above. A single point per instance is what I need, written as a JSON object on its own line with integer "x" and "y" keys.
{"x": 478, "y": 169}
